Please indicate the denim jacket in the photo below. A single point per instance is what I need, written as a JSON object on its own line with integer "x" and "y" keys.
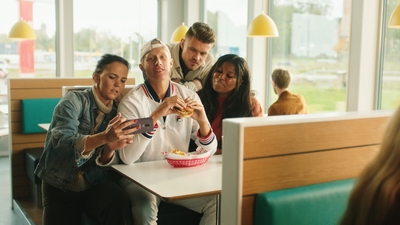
{"x": 73, "y": 119}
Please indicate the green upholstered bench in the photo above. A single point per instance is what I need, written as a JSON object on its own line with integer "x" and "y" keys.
{"x": 35, "y": 111}
{"x": 317, "y": 204}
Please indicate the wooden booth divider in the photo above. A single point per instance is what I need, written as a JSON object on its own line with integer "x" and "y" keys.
{"x": 275, "y": 153}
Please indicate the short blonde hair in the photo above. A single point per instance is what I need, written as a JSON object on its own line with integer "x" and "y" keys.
{"x": 281, "y": 78}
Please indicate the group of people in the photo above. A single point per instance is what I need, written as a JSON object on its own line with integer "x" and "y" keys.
{"x": 89, "y": 132}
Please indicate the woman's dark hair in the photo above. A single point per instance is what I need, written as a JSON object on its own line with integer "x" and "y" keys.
{"x": 238, "y": 104}
{"x": 107, "y": 59}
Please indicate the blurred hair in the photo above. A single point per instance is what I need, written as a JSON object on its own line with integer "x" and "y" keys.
{"x": 202, "y": 32}
{"x": 238, "y": 103}
{"x": 376, "y": 194}
{"x": 281, "y": 77}
{"x": 107, "y": 59}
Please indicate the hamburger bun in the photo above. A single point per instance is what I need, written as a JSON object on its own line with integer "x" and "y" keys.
{"x": 186, "y": 112}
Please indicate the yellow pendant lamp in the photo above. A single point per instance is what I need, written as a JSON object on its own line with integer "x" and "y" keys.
{"x": 22, "y": 31}
{"x": 179, "y": 33}
{"x": 394, "y": 21}
{"x": 262, "y": 26}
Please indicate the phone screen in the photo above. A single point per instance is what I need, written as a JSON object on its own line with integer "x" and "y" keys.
{"x": 144, "y": 124}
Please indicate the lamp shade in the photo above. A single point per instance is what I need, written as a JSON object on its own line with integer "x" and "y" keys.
{"x": 262, "y": 26}
{"x": 179, "y": 33}
{"x": 22, "y": 31}
{"x": 394, "y": 21}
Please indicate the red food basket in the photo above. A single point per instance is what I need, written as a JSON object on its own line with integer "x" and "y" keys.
{"x": 187, "y": 162}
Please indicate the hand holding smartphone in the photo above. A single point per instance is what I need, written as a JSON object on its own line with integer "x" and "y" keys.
{"x": 144, "y": 124}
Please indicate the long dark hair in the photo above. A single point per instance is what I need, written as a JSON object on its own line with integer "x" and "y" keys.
{"x": 238, "y": 104}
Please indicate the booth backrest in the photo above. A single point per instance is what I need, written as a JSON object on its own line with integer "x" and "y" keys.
{"x": 35, "y": 111}
{"x": 315, "y": 204}
{"x": 274, "y": 153}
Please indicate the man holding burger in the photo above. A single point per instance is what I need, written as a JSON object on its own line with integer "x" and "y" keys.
{"x": 161, "y": 99}
{"x": 192, "y": 59}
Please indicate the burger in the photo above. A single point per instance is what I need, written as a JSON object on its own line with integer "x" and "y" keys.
{"x": 185, "y": 112}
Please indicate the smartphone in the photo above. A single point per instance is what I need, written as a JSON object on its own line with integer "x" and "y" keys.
{"x": 144, "y": 124}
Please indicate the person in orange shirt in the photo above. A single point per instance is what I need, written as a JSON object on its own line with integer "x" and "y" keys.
{"x": 287, "y": 102}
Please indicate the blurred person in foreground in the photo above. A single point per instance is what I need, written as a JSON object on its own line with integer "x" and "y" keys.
{"x": 375, "y": 199}
{"x": 226, "y": 93}
{"x": 191, "y": 56}
{"x": 80, "y": 145}
{"x": 287, "y": 102}
{"x": 159, "y": 98}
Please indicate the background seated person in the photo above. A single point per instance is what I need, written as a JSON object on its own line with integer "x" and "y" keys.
{"x": 80, "y": 142}
{"x": 159, "y": 98}
{"x": 191, "y": 56}
{"x": 226, "y": 93}
{"x": 287, "y": 102}
{"x": 375, "y": 198}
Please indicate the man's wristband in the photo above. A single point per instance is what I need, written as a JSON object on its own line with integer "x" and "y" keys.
{"x": 182, "y": 81}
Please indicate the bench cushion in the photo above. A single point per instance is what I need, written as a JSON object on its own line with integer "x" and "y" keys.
{"x": 314, "y": 204}
{"x": 35, "y": 111}
{"x": 32, "y": 156}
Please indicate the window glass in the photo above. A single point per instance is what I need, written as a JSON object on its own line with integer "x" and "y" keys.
{"x": 313, "y": 44}
{"x": 390, "y": 77}
{"x": 120, "y": 28}
{"x": 228, "y": 18}
{"x": 33, "y": 58}
{"x": 25, "y": 59}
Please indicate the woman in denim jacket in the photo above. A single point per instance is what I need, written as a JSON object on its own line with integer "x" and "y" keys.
{"x": 83, "y": 134}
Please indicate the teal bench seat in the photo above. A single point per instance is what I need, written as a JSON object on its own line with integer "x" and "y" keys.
{"x": 318, "y": 204}
{"x": 35, "y": 111}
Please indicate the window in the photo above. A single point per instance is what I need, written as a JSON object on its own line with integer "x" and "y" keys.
{"x": 228, "y": 18}
{"x": 313, "y": 45}
{"x": 389, "y": 95}
{"x": 34, "y": 58}
{"x": 120, "y": 28}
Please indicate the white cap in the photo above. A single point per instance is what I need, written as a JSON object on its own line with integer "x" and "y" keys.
{"x": 155, "y": 43}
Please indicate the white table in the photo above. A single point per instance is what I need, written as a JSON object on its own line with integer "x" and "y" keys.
{"x": 170, "y": 183}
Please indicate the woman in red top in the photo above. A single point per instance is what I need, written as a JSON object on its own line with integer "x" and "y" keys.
{"x": 226, "y": 93}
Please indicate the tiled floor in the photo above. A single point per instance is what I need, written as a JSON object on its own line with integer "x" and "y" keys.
{"x": 8, "y": 216}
